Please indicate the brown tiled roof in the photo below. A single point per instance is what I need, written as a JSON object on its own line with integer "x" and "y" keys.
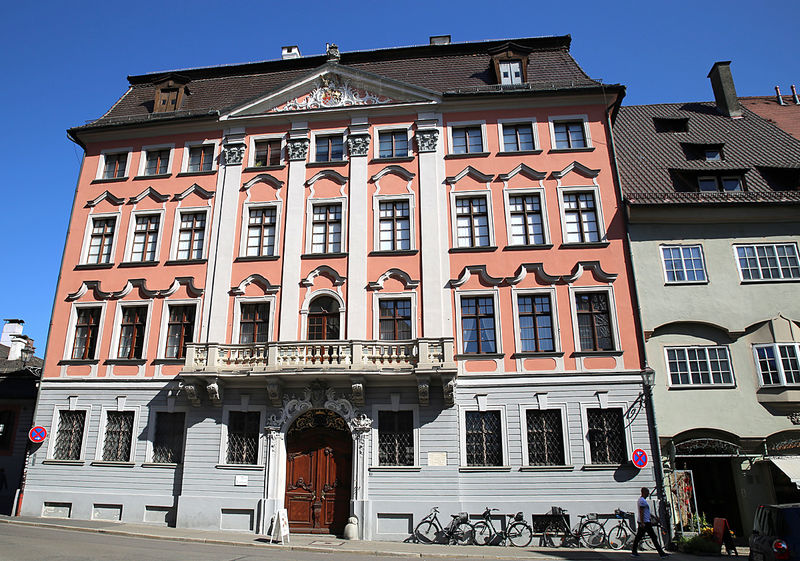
{"x": 16, "y": 367}
{"x": 455, "y": 68}
{"x": 649, "y": 161}
{"x": 785, "y": 116}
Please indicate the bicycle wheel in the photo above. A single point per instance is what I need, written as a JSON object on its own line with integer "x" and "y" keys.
{"x": 482, "y": 533}
{"x": 519, "y": 534}
{"x": 553, "y": 535}
{"x": 618, "y": 537}
{"x": 592, "y": 534}
{"x": 426, "y": 532}
{"x": 464, "y": 534}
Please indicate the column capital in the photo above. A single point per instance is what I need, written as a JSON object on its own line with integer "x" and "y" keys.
{"x": 358, "y": 144}
{"x": 427, "y": 139}
{"x": 233, "y": 154}
{"x": 297, "y": 148}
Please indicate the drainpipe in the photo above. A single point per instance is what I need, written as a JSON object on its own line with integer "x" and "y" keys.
{"x": 658, "y": 466}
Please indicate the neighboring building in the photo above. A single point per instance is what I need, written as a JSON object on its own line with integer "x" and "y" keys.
{"x": 19, "y": 381}
{"x": 359, "y": 283}
{"x": 782, "y": 110}
{"x": 713, "y": 204}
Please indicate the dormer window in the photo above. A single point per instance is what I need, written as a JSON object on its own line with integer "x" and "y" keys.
{"x": 510, "y": 63}
{"x": 713, "y": 154}
{"x": 671, "y": 124}
{"x": 169, "y": 94}
{"x": 701, "y": 151}
{"x": 510, "y": 72}
{"x": 724, "y": 183}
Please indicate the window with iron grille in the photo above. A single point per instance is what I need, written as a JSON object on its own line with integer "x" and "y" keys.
{"x": 697, "y": 366}
{"x": 467, "y": 140}
{"x": 268, "y": 153}
{"x": 243, "y": 433}
{"x": 168, "y": 440}
{"x": 261, "y": 231}
{"x": 768, "y": 262}
{"x": 569, "y": 134}
{"x": 517, "y": 137}
{"x": 394, "y": 226}
{"x": 326, "y": 229}
{"x": 86, "y": 327}
{"x": 594, "y": 321}
{"x": 115, "y": 165}
{"x": 7, "y": 426}
{"x": 119, "y": 434}
{"x": 778, "y": 364}
{"x": 684, "y": 263}
{"x": 477, "y": 324}
{"x": 131, "y": 335}
{"x": 157, "y": 162}
{"x": 191, "y": 235}
{"x": 527, "y": 225}
{"x": 180, "y": 330}
{"x": 580, "y": 218}
{"x": 472, "y": 222}
{"x": 101, "y": 240}
{"x": 329, "y": 148}
{"x": 545, "y": 437}
{"x": 484, "y": 438}
{"x": 145, "y": 238}
{"x": 254, "y": 323}
{"x": 201, "y": 158}
{"x": 393, "y": 144}
{"x": 395, "y": 438}
{"x": 607, "y": 436}
{"x": 69, "y": 437}
{"x": 535, "y": 323}
{"x": 395, "y": 319}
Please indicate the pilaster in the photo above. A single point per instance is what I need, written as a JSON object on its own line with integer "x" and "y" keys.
{"x": 358, "y": 146}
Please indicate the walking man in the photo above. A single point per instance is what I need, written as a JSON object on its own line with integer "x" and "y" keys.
{"x": 645, "y": 525}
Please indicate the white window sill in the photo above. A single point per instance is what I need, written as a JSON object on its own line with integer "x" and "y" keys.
{"x": 108, "y": 463}
{"x": 244, "y": 467}
{"x": 395, "y": 468}
{"x": 681, "y": 387}
{"x": 157, "y": 465}
{"x": 679, "y": 283}
{"x": 63, "y": 462}
{"x": 602, "y": 467}
{"x": 484, "y": 468}
{"x": 547, "y": 468}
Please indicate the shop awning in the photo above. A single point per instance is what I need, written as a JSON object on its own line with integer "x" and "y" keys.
{"x": 790, "y": 465}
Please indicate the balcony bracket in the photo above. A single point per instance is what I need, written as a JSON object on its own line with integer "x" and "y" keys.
{"x": 423, "y": 388}
{"x": 214, "y": 389}
{"x": 357, "y": 390}
{"x": 275, "y": 393}
{"x": 448, "y": 389}
{"x": 191, "y": 393}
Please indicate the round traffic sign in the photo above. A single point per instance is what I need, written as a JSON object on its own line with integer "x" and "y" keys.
{"x": 639, "y": 458}
{"x": 37, "y": 434}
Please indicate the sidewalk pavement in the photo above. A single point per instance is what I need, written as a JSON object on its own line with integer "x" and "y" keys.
{"x": 324, "y": 543}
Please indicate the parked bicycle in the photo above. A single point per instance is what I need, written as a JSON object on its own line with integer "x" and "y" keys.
{"x": 459, "y": 531}
{"x": 619, "y": 536}
{"x": 587, "y": 532}
{"x": 517, "y": 531}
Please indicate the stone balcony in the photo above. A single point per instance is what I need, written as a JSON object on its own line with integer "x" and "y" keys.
{"x": 211, "y": 365}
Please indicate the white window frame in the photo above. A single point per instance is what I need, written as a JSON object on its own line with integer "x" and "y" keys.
{"x": 310, "y": 204}
{"x": 700, "y": 386}
{"x": 223, "y": 440}
{"x": 53, "y": 433}
{"x": 309, "y": 297}
{"x": 329, "y": 132}
{"x": 155, "y": 148}
{"x": 377, "y": 130}
{"x": 526, "y": 121}
{"x": 508, "y": 193}
{"x": 510, "y": 61}
{"x": 194, "y": 143}
{"x": 376, "y": 318}
{"x": 376, "y": 205}
{"x": 87, "y": 236}
{"x": 128, "y": 255}
{"x": 681, "y": 247}
{"x": 237, "y": 315}
{"x": 551, "y": 293}
{"x": 376, "y": 409}
{"x": 176, "y": 226}
{"x": 587, "y": 448}
{"x": 73, "y": 318}
{"x": 151, "y": 431}
{"x": 101, "y": 165}
{"x": 779, "y": 363}
{"x": 756, "y": 245}
{"x": 523, "y": 423}
{"x": 246, "y": 208}
{"x": 612, "y": 311}
{"x": 494, "y": 293}
{"x": 251, "y": 149}
{"x": 101, "y": 434}
{"x": 487, "y": 194}
{"x": 162, "y": 332}
{"x": 462, "y": 436}
{"x": 601, "y": 223}
{"x": 461, "y": 124}
{"x": 554, "y": 119}
{"x": 113, "y": 352}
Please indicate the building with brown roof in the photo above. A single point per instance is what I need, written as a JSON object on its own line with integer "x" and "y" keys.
{"x": 781, "y": 110}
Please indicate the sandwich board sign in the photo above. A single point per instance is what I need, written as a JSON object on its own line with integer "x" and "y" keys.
{"x": 280, "y": 527}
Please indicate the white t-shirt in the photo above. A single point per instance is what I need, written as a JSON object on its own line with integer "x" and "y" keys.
{"x": 645, "y": 510}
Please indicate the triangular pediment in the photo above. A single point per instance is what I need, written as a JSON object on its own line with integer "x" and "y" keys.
{"x": 332, "y": 86}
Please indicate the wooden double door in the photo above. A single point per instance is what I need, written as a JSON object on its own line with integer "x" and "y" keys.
{"x": 318, "y": 474}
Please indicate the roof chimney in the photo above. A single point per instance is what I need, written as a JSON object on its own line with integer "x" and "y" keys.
{"x": 292, "y": 51}
{"x": 779, "y": 96}
{"x": 440, "y": 39}
{"x": 11, "y": 328}
{"x": 794, "y": 96}
{"x": 724, "y": 90}
{"x": 18, "y": 342}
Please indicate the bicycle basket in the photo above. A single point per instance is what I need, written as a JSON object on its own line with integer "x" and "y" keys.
{"x": 556, "y": 510}
{"x": 463, "y": 517}
{"x": 591, "y": 516}
{"x": 519, "y": 516}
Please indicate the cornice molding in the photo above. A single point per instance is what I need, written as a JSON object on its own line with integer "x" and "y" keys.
{"x": 141, "y": 284}
{"x": 397, "y": 274}
{"x": 472, "y": 172}
{"x": 270, "y": 180}
{"x": 396, "y": 170}
{"x": 195, "y": 188}
{"x": 333, "y": 175}
{"x": 114, "y": 200}
{"x": 326, "y": 271}
{"x": 259, "y": 281}
{"x": 479, "y": 270}
{"x": 526, "y": 171}
{"x": 149, "y": 192}
{"x": 579, "y": 168}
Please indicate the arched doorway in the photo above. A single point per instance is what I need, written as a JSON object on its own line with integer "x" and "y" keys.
{"x": 319, "y": 451}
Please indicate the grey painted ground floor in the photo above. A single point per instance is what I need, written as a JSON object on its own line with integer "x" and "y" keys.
{"x": 151, "y": 452}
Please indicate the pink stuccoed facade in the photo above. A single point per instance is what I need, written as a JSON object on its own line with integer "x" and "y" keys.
{"x": 377, "y": 246}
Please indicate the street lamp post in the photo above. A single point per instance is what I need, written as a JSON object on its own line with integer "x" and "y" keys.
{"x": 648, "y": 381}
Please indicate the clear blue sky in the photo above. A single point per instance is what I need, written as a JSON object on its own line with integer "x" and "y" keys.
{"x": 67, "y": 62}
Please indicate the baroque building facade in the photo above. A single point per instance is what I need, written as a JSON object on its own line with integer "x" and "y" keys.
{"x": 357, "y": 284}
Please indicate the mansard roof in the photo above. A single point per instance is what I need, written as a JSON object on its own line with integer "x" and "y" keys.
{"x": 454, "y": 69}
{"x": 658, "y": 167}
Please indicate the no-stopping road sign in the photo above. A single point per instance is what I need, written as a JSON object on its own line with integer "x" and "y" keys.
{"x": 639, "y": 458}
{"x": 37, "y": 434}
